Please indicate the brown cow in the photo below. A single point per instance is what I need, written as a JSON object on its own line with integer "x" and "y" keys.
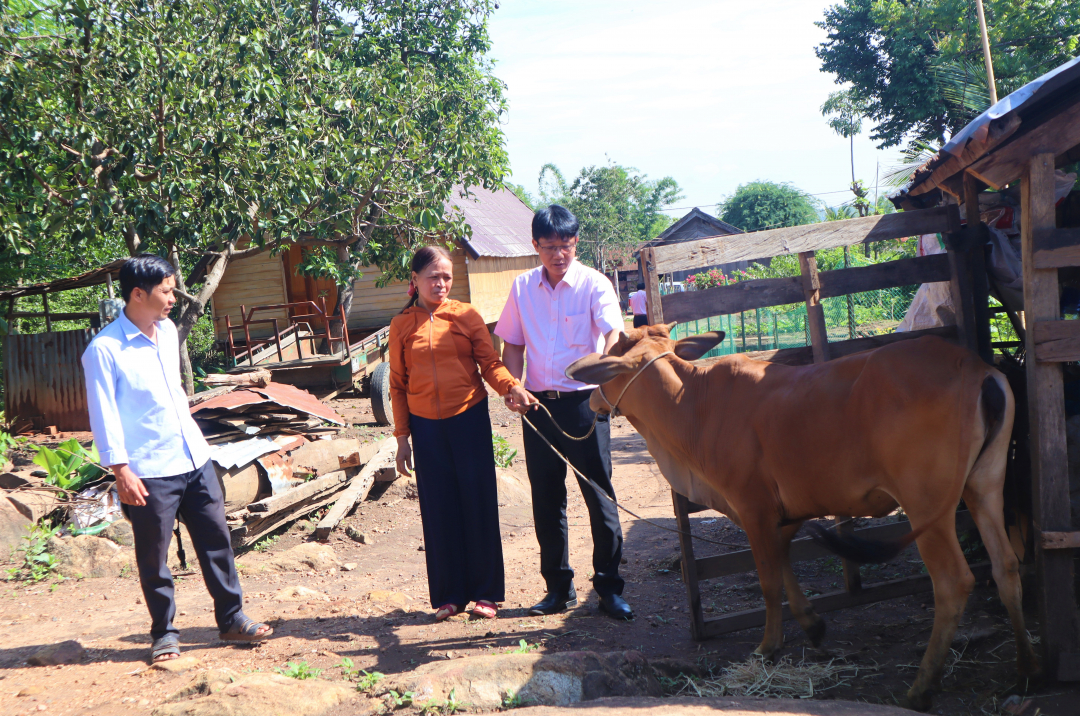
{"x": 919, "y": 423}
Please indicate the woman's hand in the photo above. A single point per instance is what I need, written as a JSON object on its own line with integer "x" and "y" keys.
{"x": 519, "y": 400}
{"x": 404, "y": 456}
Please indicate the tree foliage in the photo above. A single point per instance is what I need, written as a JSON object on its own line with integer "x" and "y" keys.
{"x": 915, "y": 63}
{"x": 617, "y": 206}
{"x": 224, "y": 128}
{"x": 763, "y": 205}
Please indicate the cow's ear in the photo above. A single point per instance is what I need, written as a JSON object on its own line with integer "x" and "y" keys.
{"x": 694, "y": 347}
{"x": 597, "y": 369}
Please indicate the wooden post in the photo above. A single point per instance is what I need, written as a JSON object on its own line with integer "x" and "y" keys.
{"x": 11, "y": 316}
{"x": 689, "y": 565}
{"x": 980, "y": 285}
{"x": 45, "y": 307}
{"x": 1046, "y": 414}
{"x": 652, "y": 287}
{"x": 815, "y": 313}
{"x": 960, "y": 281}
{"x": 109, "y": 286}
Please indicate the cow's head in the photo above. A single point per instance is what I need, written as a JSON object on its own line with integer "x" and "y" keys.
{"x": 630, "y": 354}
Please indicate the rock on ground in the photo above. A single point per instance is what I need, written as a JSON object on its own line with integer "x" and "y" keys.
{"x": 66, "y": 652}
{"x": 512, "y": 491}
{"x": 300, "y": 594}
{"x": 734, "y": 706}
{"x": 121, "y": 533}
{"x": 178, "y": 665}
{"x": 552, "y": 679}
{"x": 306, "y": 557}
{"x": 89, "y": 556}
{"x": 14, "y": 526}
{"x": 256, "y": 694}
{"x": 387, "y": 598}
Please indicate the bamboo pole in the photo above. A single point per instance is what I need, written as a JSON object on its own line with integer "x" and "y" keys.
{"x": 990, "y": 83}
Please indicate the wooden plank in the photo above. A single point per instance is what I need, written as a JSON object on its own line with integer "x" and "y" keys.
{"x": 689, "y": 565}
{"x": 980, "y": 286}
{"x": 652, "y": 287}
{"x": 1046, "y": 416}
{"x": 893, "y": 274}
{"x": 744, "y": 296}
{"x": 1059, "y": 134}
{"x": 258, "y": 526}
{"x": 1056, "y": 341}
{"x": 298, "y": 493}
{"x": 815, "y": 313}
{"x": 804, "y": 356}
{"x": 763, "y": 293}
{"x": 1060, "y": 540}
{"x": 832, "y": 601}
{"x": 963, "y": 306}
{"x": 797, "y": 239}
{"x": 358, "y": 488}
{"x": 1057, "y": 248}
{"x": 805, "y": 549}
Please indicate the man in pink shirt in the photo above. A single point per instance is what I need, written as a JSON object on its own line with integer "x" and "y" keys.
{"x": 556, "y": 314}
{"x": 639, "y": 306}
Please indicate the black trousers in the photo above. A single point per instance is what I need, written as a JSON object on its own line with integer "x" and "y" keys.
{"x": 459, "y": 506}
{"x": 640, "y": 319}
{"x": 196, "y": 498}
{"x": 547, "y": 475}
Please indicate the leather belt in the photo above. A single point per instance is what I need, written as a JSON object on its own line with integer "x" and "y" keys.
{"x": 557, "y": 394}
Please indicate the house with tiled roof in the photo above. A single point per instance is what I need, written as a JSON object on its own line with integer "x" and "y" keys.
{"x": 485, "y": 264}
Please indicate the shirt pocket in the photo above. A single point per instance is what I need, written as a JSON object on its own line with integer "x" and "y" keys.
{"x": 578, "y": 329}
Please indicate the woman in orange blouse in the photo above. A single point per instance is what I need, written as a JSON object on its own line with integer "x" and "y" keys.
{"x": 439, "y": 348}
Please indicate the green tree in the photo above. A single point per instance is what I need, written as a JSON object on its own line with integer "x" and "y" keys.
{"x": 617, "y": 207}
{"x": 903, "y": 58}
{"x": 221, "y": 129}
{"x": 763, "y": 205}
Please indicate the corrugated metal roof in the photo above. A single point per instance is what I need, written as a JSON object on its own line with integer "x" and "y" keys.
{"x": 93, "y": 277}
{"x": 281, "y": 393}
{"x": 501, "y": 223}
{"x": 230, "y": 455}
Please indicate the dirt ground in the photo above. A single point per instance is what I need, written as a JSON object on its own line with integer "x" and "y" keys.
{"x": 107, "y": 615}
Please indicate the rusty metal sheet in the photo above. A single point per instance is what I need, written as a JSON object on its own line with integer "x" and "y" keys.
{"x": 279, "y": 470}
{"x": 44, "y": 378}
{"x": 285, "y": 395}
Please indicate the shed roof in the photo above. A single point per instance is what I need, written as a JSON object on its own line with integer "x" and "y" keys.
{"x": 93, "y": 277}
{"x": 501, "y": 223}
{"x": 1039, "y": 117}
{"x": 695, "y": 225}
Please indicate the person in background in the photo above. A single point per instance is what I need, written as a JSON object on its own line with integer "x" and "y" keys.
{"x": 439, "y": 348}
{"x": 639, "y": 306}
{"x": 146, "y": 436}
{"x": 557, "y": 313}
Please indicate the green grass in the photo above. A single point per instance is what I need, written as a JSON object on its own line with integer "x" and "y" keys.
{"x": 299, "y": 670}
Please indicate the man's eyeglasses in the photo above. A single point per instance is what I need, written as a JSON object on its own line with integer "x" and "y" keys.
{"x": 553, "y": 249}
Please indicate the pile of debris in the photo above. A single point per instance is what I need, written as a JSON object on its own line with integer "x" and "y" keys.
{"x": 248, "y": 404}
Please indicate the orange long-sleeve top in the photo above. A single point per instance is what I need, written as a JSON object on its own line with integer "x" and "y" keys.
{"x": 436, "y": 360}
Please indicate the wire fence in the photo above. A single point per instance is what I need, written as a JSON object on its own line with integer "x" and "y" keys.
{"x": 857, "y": 315}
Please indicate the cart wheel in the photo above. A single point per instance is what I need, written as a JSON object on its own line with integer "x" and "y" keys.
{"x": 380, "y": 394}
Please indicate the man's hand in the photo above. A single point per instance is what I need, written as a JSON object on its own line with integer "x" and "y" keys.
{"x": 404, "y": 456}
{"x": 520, "y": 400}
{"x": 131, "y": 489}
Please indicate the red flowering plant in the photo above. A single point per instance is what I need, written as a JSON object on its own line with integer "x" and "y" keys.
{"x": 713, "y": 278}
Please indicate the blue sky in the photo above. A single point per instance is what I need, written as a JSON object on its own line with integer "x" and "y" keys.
{"x": 713, "y": 93}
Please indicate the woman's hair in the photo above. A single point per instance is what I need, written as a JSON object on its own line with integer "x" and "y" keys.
{"x": 420, "y": 261}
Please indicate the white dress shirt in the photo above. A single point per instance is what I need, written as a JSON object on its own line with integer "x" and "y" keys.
{"x": 138, "y": 409}
{"x": 638, "y": 303}
{"x": 559, "y": 326}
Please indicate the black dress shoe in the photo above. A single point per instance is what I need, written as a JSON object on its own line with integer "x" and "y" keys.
{"x": 616, "y": 607}
{"x": 554, "y": 603}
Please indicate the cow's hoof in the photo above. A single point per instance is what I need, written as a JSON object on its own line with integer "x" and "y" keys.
{"x": 768, "y": 655}
{"x": 816, "y": 632}
{"x": 918, "y": 701}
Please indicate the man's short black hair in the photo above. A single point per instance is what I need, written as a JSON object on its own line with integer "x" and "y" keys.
{"x": 554, "y": 222}
{"x": 641, "y": 287}
{"x": 143, "y": 271}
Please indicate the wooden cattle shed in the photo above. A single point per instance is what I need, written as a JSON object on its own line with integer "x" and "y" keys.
{"x": 1021, "y": 140}
{"x": 43, "y": 375}
{"x": 485, "y": 264}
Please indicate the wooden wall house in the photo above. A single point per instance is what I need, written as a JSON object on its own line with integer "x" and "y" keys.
{"x": 485, "y": 265}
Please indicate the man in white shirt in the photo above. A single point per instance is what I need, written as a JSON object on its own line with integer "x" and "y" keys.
{"x": 146, "y": 436}
{"x": 556, "y": 314}
{"x": 639, "y": 306}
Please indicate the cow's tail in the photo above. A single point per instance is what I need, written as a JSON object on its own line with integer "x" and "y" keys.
{"x": 867, "y": 551}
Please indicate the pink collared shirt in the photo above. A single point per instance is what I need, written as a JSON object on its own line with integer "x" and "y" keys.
{"x": 559, "y": 326}
{"x": 638, "y": 303}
